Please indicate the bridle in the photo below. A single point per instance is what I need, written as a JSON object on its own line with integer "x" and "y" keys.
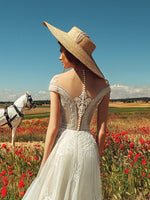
{"x": 8, "y": 119}
{"x": 30, "y": 100}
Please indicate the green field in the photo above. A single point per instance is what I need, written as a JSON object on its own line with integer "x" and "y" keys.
{"x": 124, "y": 164}
{"x": 34, "y": 116}
{"x": 129, "y": 109}
{"x": 124, "y": 112}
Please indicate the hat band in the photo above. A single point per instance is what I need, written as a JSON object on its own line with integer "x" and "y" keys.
{"x": 80, "y": 37}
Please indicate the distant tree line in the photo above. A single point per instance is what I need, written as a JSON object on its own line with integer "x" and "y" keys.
{"x": 37, "y": 102}
{"x": 127, "y": 100}
{"x": 131, "y": 100}
{"x": 41, "y": 102}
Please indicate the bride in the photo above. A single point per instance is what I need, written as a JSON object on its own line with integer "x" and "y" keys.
{"x": 70, "y": 167}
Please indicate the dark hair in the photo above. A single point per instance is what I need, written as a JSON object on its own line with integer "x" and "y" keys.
{"x": 69, "y": 56}
{"x": 74, "y": 60}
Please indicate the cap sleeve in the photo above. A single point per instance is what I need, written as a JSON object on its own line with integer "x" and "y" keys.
{"x": 52, "y": 86}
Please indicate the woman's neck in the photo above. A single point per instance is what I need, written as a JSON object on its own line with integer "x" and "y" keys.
{"x": 78, "y": 70}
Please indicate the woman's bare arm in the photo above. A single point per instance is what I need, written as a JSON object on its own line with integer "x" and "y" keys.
{"x": 102, "y": 114}
{"x": 52, "y": 127}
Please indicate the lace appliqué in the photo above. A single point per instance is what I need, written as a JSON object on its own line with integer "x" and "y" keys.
{"x": 82, "y": 101}
{"x": 82, "y": 107}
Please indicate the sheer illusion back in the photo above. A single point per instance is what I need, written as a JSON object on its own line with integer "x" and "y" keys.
{"x": 76, "y": 113}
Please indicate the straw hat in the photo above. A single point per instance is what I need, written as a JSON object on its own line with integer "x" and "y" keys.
{"x": 78, "y": 44}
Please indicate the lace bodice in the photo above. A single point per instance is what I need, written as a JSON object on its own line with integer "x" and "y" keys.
{"x": 72, "y": 114}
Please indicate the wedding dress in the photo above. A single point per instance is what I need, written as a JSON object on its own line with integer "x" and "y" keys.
{"x": 72, "y": 170}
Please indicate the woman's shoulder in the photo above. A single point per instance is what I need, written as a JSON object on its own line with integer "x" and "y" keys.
{"x": 58, "y": 82}
{"x": 55, "y": 78}
{"x": 58, "y": 78}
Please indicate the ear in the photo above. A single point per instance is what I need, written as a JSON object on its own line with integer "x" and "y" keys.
{"x": 27, "y": 93}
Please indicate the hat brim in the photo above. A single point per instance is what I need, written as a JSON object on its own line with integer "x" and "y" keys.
{"x": 74, "y": 49}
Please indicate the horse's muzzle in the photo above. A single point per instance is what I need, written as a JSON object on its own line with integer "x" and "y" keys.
{"x": 33, "y": 105}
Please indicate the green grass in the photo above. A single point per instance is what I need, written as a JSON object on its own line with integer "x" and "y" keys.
{"x": 41, "y": 106}
{"x": 124, "y": 113}
{"x": 143, "y": 111}
{"x": 5, "y": 104}
{"x": 131, "y": 109}
{"x": 39, "y": 115}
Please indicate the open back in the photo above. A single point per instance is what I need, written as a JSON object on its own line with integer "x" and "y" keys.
{"x": 76, "y": 113}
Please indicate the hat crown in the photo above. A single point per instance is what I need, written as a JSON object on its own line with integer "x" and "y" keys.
{"x": 82, "y": 39}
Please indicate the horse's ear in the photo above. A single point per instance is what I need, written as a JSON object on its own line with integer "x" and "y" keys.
{"x": 27, "y": 93}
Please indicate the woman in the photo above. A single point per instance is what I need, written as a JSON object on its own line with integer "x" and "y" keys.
{"x": 70, "y": 165}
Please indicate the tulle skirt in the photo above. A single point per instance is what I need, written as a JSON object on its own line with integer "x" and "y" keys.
{"x": 71, "y": 172}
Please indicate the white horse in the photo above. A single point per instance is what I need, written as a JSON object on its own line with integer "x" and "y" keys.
{"x": 12, "y": 115}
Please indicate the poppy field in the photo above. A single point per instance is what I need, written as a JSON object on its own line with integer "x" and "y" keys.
{"x": 124, "y": 164}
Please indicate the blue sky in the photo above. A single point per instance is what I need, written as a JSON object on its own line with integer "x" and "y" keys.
{"x": 29, "y": 53}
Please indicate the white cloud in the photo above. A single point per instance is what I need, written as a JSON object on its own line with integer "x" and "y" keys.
{"x": 121, "y": 91}
{"x": 7, "y": 90}
{"x": 42, "y": 92}
{"x": 10, "y": 95}
{"x": 41, "y": 95}
{"x": 117, "y": 91}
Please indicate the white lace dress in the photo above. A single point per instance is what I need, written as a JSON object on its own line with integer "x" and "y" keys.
{"x": 72, "y": 170}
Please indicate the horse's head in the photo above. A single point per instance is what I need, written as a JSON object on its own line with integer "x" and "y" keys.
{"x": 30, "y": 101}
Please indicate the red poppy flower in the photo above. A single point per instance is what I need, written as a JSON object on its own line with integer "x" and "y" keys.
{"x": 132, "y": 163}
{"x": 29, "y": 171}
{"x": 143, "y": 174}
{"x": 21, "y": 183}
{"x": 3, "y": 192}
{"x": 117, "y": 140}
{"x": 126, "y": 171}
{"x": 31, "y": 175}
{"x": 4, "y": 146}
{"x": 10, "y": 168}
{"x": 144, "y": 161}
{"x": 137, "y": 156}
{"x": 141, "y": 141}
{"x": 130, "y": 154}
{"x": 11, "y": 173}
{"x": 3, "y": 172}
{"x": 22, "y": 193}
{"x": 121, "y": 146}
{"x": 20, "y": 150}
{"x": 131, "y": 145}
{"x": 5, "y": 180}
{"x": 23, "y": 175}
